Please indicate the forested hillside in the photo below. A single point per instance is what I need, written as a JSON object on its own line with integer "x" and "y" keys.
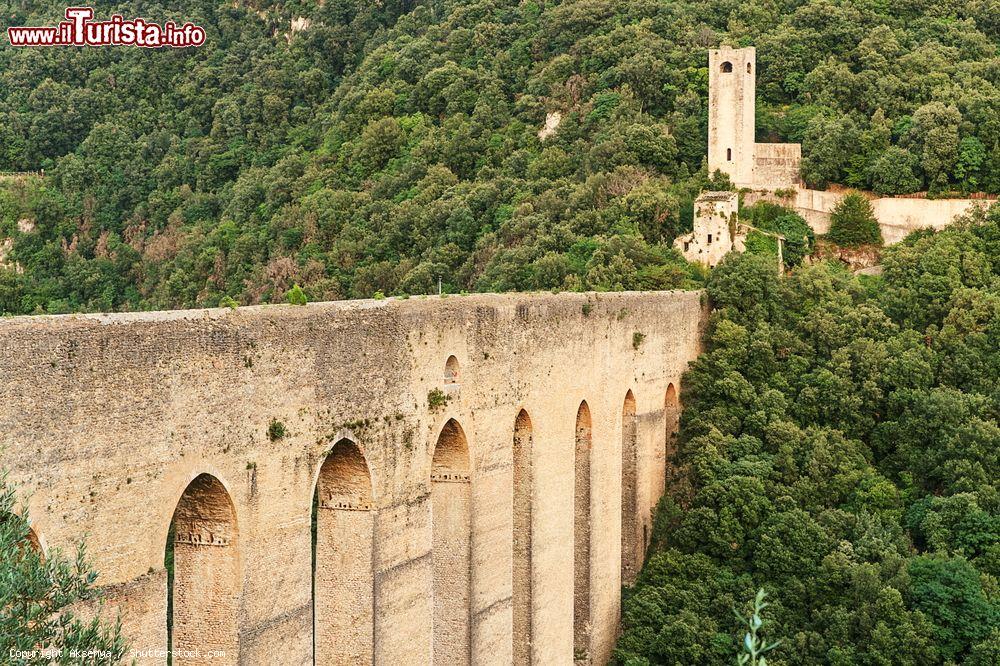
{"x": 840, "y": 448}
{"x": 361, "y": 147}
{"x": 839, "y": 443}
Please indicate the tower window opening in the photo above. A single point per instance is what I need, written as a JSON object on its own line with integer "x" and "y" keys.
{"x": 710, "y": 239}
{"x": 727, "y": 67}
{"x": 748, "y": 68}
{"x": 729, "y": 154}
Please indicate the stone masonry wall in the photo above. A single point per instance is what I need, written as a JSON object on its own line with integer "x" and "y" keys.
{"x": 105, "y": 421}
{"x": 897, "y": 216}
{"x": 776, "y": 165}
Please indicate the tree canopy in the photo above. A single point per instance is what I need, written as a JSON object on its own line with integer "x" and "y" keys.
{"x": 853, "y": 222}
{"x": 839, "y": 447}
{"x": 354, "y": 148}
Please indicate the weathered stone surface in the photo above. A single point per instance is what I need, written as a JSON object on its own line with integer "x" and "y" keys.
{"x": 106, "y": 420}
{"x": 732, "y": 104}
{"x": 716, "y": 229}
{"x": 732, "y": 79}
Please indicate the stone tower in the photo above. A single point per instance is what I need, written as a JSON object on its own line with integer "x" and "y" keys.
{"x": 732, "y": 75}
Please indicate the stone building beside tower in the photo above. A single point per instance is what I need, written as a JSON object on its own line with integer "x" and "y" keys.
{"x": 716, "y": 231}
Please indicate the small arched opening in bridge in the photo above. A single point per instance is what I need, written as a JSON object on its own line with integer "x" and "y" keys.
{"x": 203, "y": 580}
{"x": 632, "y": 547}
{"x": 581, "y": 534}
{"x": 521, "y": 541}
{"x": 451, "y": 523}
{"x": 343, "y": 524}
{"x": 671, "y": 425}
{"x": 726, "y": 67}
{"x": 451, "y": 370}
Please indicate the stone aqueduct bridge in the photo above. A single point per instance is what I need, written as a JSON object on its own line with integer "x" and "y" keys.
{"x": 479, "y": 463}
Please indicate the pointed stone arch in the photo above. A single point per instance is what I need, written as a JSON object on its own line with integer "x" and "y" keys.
{"x": 581, "y": 535}
{"x": 523, "y": 489}
{"x": 343, "y": 579}
{"x": 671, "y": 420}
{"x": 451, "y": 529}
{"x": 203, "y": 574}
{"x": 632, "y": 546}
{"x": 665, "y": 456}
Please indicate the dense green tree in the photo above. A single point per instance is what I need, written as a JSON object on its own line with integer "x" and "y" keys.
{"x": 853, "y": 222}
{"x": 837, "y": 447}
{"x": 799, "y": 237}
{"x": 936, "y": 133}
{"x": 827, "y": 151}
{"x": 949, "y": 591}
{"x": 894, "y": 171}
{"x": 971, "y": 157}
{"x": 378, "y": 147}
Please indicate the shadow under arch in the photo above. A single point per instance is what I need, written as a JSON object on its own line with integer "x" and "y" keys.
{"x": 203, "y": 574}
{"x": 451, "y": 540}
{"x": 671, "y": 421}
{"x": 631, "y": 547}
{"x": 342, "y": 551}
{"x": 521, "y": 537}
{"x": 581, "y": 532}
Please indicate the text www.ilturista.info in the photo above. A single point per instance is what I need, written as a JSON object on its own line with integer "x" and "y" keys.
{"x": 79, "y": 30}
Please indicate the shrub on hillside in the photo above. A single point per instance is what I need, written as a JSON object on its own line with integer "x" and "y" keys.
{"x": 853, "y": 222}
{"x": 799, "y": 238}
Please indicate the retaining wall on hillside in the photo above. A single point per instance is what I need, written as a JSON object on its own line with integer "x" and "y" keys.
{"x": 897, "y": 216}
